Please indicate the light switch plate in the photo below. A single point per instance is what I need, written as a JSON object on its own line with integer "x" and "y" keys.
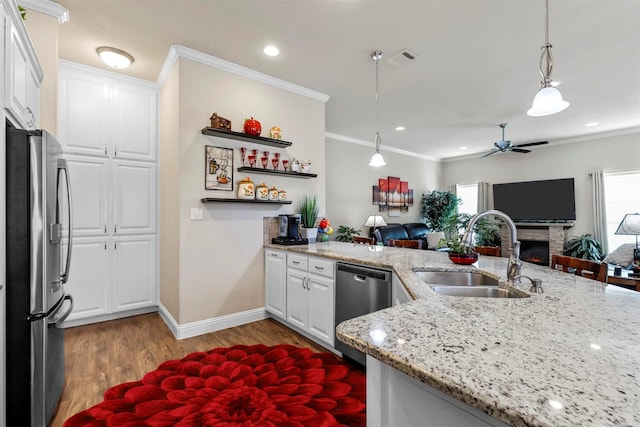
{"x": 196, "y": 214}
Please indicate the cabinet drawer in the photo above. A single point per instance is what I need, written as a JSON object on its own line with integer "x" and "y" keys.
{"x": 297, "y": 261}
{"x": 321, "y": 267}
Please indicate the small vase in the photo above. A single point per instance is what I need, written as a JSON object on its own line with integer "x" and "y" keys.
{"x": 463, "y": 259}
{"x": 310, "y": 234}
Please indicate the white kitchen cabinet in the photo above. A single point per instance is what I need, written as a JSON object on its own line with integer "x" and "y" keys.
{"x": 104, "y": 115}
{"x": 133, "y": 272}
{"x": 23, "y": 77}
{"x": 133, "y": 197}
{"x": 275, "y": 288}
{"x": 89, "y": 177}
{"x": 310, "y": 296}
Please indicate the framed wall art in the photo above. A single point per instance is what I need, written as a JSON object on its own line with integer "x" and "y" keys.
{"x": 218, "y": 166}
{"x": 392, "y": 195}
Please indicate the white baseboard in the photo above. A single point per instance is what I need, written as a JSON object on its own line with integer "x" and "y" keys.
{"x": 106, "y": 317}
{"x": 214, "y": 324}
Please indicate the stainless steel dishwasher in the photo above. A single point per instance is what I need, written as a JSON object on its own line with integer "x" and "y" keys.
{"x": 359, "y": 290}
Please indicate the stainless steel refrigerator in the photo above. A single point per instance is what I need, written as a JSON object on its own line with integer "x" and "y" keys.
{"x": 38, "y": 220}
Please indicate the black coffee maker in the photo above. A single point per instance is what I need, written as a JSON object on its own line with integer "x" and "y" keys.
{"x": 289, "y": 231}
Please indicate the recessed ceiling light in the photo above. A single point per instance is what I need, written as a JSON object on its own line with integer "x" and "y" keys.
{"x": 463, "y": 148}
{"x": 399, "y": 128}
{"x": 114, "y": 58}
{"x": 271, "y": 51}
{"x": 592, "y": 124}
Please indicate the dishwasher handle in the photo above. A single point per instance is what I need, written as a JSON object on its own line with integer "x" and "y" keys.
{"x": 359, "y": 278}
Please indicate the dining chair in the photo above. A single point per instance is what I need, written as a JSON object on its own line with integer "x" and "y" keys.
{"x": 488, "y": 250}
{"x": 582, "y": 267}
{"x": 363, "y": 240}
{"x": 405, "y": 243}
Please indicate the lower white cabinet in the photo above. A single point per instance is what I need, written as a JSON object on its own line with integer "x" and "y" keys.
{"x": 275, "y": 290}
{"x": 110, "y": 276}
{"x": 310, "y": 296}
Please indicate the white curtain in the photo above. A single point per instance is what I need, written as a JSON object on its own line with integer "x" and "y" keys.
{"x": 599, "y": 209}
{"x": 483, "y": 196}
{"x": 453, "y": 189}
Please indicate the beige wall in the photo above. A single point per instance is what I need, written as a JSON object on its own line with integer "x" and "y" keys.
{"x": 350, "y": 180}
{"x": 221, "y": 259}
{"x": 43, "y": 30}
{"x": 554, "y": 161}
{"x": 169, "y": 235}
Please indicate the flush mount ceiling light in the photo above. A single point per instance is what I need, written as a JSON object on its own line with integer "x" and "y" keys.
{"x": 114, "y": 58}
{"x": 548, "y": 100}
{"x": 377, "y": 159}
{"x": 271, "y": 51}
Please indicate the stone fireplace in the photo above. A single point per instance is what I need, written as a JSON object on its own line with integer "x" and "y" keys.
{"x": 538, "y": 241}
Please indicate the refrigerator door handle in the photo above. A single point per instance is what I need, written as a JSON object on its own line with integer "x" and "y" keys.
{"x": 58, "y": 319}
{"x": 62, "y": 166}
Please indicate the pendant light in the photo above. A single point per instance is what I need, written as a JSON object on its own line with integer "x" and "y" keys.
{"x": 548, "y": 100}
{"x": 377, "y": 159}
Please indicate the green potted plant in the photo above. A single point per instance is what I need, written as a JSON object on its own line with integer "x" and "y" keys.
{"x": 346, "y": 234}
{"x": 487, "y": 235}
{"x": 437, "y": 208}
{"x": 585, "y": 246}
{"x": 458, "y": 252}
{"x": 308, "y": 210}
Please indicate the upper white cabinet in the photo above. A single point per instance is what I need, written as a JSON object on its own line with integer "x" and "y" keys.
{"x": 22, "y": 77}
{"x": 104, "y": 116}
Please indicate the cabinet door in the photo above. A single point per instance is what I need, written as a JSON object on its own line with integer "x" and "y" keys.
{"x": 21, "y": 81}
{"x": 83, "y": 116}
{"x": 275, "y": 290}
{"x": 134, "y": 197}
{"x": 89, "y": 280}
{"x": 320, "y": 308}
{"x": 90, "y": 186}
{"x": 134, "y": 123}
{"x": 134, "y": 272}
{"x": 297, "y": 298}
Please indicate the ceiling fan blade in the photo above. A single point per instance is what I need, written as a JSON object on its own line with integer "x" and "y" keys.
{"x": 519, "y": 150}
{"x": 531, "y": 144}
{"x": 491, "y": 152}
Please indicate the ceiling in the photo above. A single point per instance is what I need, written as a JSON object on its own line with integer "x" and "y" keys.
{"x": 476, "y": 65}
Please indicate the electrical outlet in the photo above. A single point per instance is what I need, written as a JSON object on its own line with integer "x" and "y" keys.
{"x": 196, "y": 214}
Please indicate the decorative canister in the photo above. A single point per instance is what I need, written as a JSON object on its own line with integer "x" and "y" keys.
{"x": 273, "y": 193}
{"x": 262, "y": 192}
{"x": 282, "y": 195}
{"x": 246, "y": 189}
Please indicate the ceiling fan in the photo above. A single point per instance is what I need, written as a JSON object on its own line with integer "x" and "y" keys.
{"x": 503, "y": 146}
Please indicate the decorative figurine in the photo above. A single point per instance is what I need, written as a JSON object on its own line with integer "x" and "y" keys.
{"x": 252, "y": 127}
{"x": 246, "y": 189}
{"x": 218, "y": 122}
{"x": 275, "y": 132}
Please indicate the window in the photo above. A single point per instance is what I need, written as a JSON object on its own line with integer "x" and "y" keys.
{"x": 468, "y": 194}
{"x": 621, "y": 196}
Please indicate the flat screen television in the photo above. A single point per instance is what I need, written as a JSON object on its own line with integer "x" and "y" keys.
{"x": 551, "y": 200}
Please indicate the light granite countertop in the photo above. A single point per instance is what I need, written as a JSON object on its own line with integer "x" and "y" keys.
{"x": 569, "y": 356}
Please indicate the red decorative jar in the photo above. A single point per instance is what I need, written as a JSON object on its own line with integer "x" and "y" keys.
{"x": 464, "y": 259}
{"x": 252, "y": 127}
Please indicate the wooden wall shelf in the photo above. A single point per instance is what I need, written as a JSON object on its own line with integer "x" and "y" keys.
{"x": 277, "y": 172}
{"x": 223, "y": 133}
{"x": 258, "y": 202}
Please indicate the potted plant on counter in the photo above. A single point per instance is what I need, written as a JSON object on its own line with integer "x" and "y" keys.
{"x": 459, "y": 253}
{"x": 308, "y": 210}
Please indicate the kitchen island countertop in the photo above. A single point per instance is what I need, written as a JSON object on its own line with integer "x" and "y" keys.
{"x": 569, "y": 356}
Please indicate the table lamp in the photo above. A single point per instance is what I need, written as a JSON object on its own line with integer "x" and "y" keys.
{"x": 630, "y": 226}
{"x": 374, "y": 221}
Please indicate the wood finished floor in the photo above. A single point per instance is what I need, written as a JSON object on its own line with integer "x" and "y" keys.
{"x": 102, "y": 355}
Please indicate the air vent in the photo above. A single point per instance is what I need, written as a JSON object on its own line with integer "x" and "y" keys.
{"x": 401, "y": 58}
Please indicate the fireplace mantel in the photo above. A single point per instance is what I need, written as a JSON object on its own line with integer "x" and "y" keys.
{"x": 554, "y": 233}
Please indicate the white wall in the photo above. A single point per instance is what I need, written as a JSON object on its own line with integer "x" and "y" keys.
{"x": 550, "y": 162}
{"x": 350, "y": 180}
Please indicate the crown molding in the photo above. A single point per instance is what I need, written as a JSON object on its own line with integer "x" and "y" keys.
{"x": 47, "y": 7}
{"x": 179, "y": 51}
{"x": 350, "y": 140}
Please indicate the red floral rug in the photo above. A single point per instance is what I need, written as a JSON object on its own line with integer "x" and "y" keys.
{"x": 237, "y": 386}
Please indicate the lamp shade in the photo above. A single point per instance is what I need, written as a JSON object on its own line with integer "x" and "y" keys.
{"x": 375, "y": 221}
{"x": 630, "y": 225}
{"x": 547, "y": 101}
{"x": 377, "y": 159}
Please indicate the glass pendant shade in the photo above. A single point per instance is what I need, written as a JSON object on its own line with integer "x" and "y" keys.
{"x": 547, "y": 101}
{"x": 377, "y": 159}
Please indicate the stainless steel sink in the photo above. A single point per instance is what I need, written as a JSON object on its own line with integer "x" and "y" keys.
{"x": 466, "y": 284}
{"x": 475, "y": 291}
{"x": 455, "y": 278}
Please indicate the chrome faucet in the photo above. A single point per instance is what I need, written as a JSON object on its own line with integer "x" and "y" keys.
{"x": 514, "y": 265}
